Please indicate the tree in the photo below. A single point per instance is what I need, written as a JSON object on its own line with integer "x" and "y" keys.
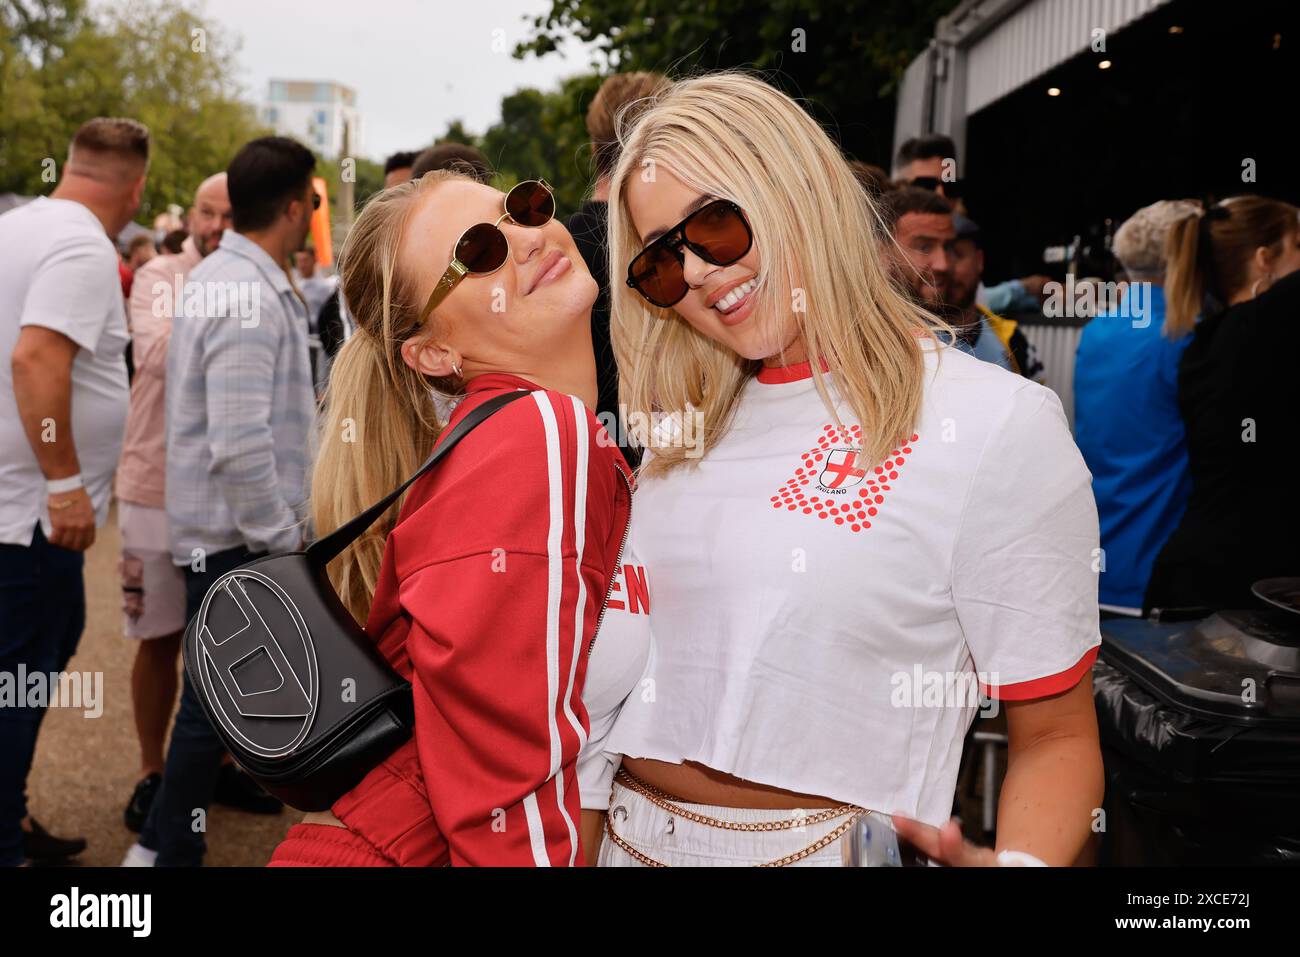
{"x": 544, "y": 135}
{"x": 50, "y": 61}
{"x": 157, "y": 61}
{"x": 456, "y": 133}
{"x": 540, "y": 135}
{"x": 843, "y": 58}
{"x": 176, "y": 75}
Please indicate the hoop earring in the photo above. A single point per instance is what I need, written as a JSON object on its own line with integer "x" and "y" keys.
{"x": 456, "y": 369}
{"x": 1255, "y": 290}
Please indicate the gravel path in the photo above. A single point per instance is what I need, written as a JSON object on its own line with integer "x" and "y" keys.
{"x": 86, "y": 767}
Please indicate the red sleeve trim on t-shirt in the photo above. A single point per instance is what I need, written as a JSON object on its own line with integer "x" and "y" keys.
{"x": 1045, "y": 686}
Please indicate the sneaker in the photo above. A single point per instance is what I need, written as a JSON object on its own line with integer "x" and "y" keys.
{"x": 40, "y": 845}
{"x": 137, "y": 809}
{"x": 139, "y": 856}
{"x": 236, "y": 789}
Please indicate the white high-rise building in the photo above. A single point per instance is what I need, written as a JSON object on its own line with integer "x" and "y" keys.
{"x": 315, "y": 113}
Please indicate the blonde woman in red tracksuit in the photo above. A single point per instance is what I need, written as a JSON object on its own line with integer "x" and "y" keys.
{"x": 487, "y": 590}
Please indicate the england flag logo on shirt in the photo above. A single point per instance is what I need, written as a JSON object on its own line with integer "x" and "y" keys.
{"x": 833, "y": 484}
{"x": 842, "y": 470}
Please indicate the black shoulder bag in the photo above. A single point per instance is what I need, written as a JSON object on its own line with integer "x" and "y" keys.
{"x": 293, "y": 686}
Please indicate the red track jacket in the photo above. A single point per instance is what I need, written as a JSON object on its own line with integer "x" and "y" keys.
{"x": 491, "y": 587}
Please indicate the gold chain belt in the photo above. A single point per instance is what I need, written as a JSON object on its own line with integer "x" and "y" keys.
{"x": 665, "y": 801}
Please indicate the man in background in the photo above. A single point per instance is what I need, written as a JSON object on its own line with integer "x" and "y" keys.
{"x": 153, "y": 588}
{"x": 940, "y": 266}
{"x": 397, "y": 168}
{"x": 982, "y": 332}
{"x": 1126, "y": 417}
{"x": 173, "y": 242}
{"x": 63, "y": 408}
{"x": 930, "y": 162}
{"x": 919, "y": 222}
{"x": 458, "y": 156}
{"x": 236, "y": 482}
{"x": 314, "y": 286}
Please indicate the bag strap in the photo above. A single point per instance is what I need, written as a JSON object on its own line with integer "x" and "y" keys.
{"x": 323, "y": 550}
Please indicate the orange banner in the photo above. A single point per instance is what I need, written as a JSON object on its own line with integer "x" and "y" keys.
{"x": 321, "y": 237}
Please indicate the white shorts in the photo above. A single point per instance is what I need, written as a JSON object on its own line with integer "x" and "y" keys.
{"x": 679, "y": 842}
{"x": 153, "y": 589}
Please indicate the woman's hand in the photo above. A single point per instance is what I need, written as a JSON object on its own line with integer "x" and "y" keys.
{"x": 943, "y": 845}
{"x": 946, "y": 845}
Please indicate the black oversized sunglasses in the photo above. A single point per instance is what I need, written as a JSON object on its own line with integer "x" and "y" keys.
{"x": 718, "y": 233}
{"x": 952, "y": 188}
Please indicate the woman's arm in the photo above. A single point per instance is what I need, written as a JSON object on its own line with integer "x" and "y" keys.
{"x": 1053, "y": 787}
{"x": 1025, "y": 592}
{"x": 1054, "y": 781}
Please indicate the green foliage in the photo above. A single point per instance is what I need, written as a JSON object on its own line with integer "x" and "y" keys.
{"x": 60, "y": 66}
{"x": 545, "y": 135}
{"x": 854, "y": 50}
{"x": 456, "y": 133}
{"x": 540, "y": 135}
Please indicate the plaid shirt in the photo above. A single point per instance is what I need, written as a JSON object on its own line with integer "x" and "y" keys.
{"x": 240, "y": 406}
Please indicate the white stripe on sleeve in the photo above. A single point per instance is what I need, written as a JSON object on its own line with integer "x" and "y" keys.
{"x": 536, "y": 832}
{"x": 554, "y": 591}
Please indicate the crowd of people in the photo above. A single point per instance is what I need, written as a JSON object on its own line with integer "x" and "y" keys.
{"x": 633, "y": 646}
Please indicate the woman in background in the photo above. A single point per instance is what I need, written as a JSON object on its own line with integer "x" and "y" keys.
{"x": 1238, "y": 393}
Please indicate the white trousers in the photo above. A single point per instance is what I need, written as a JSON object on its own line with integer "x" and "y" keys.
{"x": 677, "y": 842}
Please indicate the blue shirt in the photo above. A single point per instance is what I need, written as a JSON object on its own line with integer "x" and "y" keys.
{"x": 987, "y": 346}
{"x": 1127, "y": 424}
{"x": 1008, "y": 297}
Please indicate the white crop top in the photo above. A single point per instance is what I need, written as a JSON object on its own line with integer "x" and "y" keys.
{"x": 614, "y": 670}
{"x": 819, "y": 623}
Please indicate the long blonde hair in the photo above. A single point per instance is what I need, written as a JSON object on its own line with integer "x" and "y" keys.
{"x": 733, "y": 136}
{"x": 380, "y": 421}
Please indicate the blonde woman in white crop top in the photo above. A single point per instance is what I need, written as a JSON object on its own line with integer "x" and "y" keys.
{"x": 853, "y": 530}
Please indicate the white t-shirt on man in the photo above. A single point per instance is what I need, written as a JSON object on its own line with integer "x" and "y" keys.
{"x": 826, "y": 627}
{"x": 58, "y": 269}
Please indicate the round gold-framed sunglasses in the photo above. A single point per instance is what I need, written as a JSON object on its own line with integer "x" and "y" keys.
{"x": 483, "y": 248}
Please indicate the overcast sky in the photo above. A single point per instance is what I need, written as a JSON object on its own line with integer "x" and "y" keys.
{"x": 415, "y": 64}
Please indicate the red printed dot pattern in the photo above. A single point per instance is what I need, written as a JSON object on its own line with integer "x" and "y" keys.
{"x": 855, "y": 510}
